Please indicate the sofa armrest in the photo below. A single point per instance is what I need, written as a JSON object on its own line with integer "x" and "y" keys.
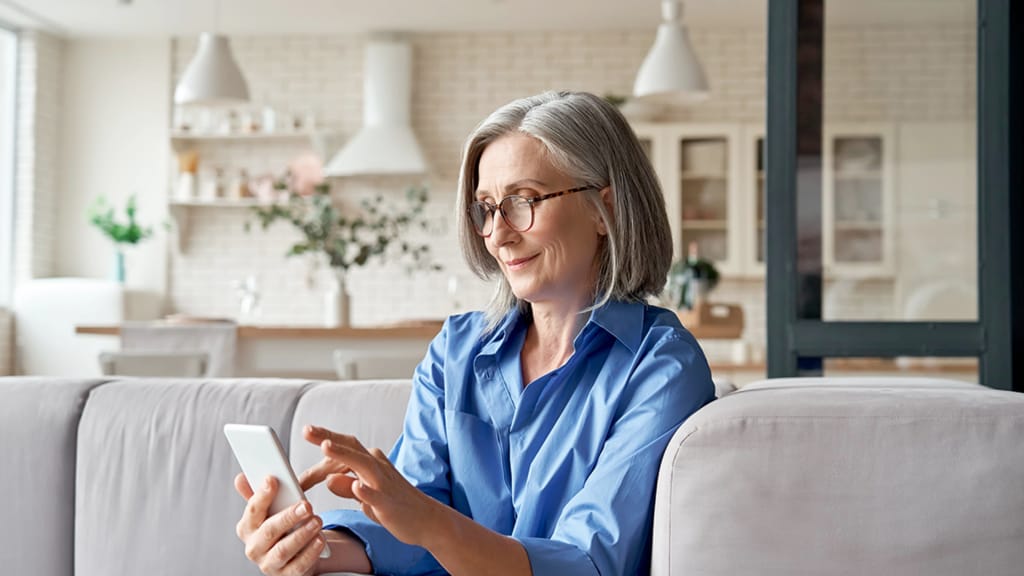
{"x": 854, "y": 477}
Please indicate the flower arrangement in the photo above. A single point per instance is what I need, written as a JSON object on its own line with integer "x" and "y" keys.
{"x": 102, "y": 215}
{"x": 349, "y": 241}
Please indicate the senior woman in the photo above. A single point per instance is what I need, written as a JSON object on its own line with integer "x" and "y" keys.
{"x": 535, "y": 429}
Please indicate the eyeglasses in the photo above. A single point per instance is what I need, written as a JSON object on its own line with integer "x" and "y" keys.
{"x": 516, "y": 211}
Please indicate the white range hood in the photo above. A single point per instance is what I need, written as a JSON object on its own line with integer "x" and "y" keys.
{"x": 386, "y": 143}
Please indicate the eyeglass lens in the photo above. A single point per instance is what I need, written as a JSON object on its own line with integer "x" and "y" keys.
{"x": 517, "y": 212}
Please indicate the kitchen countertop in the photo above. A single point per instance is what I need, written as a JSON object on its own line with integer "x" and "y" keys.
{"x": 424, "y": 329}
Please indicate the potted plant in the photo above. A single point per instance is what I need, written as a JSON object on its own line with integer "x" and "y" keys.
{"x": 123, "y": 233}
{"x": 691, "y": 280}
{"x": 346, "y": 241}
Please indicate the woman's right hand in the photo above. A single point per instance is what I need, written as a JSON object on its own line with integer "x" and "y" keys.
{"x": 268, "y": 543}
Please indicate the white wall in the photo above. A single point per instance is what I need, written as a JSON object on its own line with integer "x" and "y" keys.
{"x": 114, "y": 142}
{"x": 40, "y": 61}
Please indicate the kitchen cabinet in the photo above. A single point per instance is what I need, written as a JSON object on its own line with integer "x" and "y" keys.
{"x": 713, "y": 178}
{"x": 857, "y": 203}
{"x": 699, "y": 170}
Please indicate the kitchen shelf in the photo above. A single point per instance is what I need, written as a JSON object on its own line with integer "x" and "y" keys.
{"x": 223, "y": 203}
{"x": 856, "y": 175}
{"x": 179, "y": 211}
{"x": 705, "y": 224}
{"x": 687, "y": 176}
{"x": 243, "y": 136}
{"x": 866, "y": 225}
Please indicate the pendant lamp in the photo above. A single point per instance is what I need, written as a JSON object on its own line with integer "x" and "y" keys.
{"x": 671, "y": 68}
{"x": 212, "y": 78}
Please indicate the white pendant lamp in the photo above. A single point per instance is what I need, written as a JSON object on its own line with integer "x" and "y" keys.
{"x": 671, "y": 67}
{"x": 212, "y": 78}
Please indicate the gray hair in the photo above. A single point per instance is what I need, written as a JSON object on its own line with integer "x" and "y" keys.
{"x": 588, "y": 140}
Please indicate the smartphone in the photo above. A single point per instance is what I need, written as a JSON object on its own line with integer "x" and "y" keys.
{"x": 260, "y": 454}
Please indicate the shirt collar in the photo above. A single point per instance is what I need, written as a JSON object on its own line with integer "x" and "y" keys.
{"x": 623, "y": 320}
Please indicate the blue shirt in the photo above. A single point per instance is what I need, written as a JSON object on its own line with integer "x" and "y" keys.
{"x": 566, "y": 465}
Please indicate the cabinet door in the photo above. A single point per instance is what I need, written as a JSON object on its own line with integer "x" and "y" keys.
{"x": 705, "y": 173}
{"x": 857, "y": 203}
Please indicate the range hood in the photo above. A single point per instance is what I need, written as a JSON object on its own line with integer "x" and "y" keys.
{"x": 386, "y": 143}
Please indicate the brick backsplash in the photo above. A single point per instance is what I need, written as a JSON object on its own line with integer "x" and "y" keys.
{"x": 880, "y": 74}
{"x": 6, "y": 342}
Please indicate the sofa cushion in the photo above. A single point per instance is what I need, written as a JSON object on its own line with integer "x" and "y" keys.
{"x": 154, "y": 483}
{"x": 860, "y": 476}
{"x": 38, "y": 431}
{"x": 373, "y": 411}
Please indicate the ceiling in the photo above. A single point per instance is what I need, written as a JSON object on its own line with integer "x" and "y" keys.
{"x": 296, "y": 17}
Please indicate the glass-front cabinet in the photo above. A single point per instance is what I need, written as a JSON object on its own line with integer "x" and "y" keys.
{"x": 857, "y": 203}
{"x": 713, "y": 178}
{"x": 699, "y": 169}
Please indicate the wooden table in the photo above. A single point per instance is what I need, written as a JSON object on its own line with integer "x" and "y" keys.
{"x": 309, "y": 351}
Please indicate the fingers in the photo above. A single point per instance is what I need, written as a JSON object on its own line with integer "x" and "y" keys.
{"x": 272, "y": 537}
{"x": 317, "y": 435}
{"x": 320, "y": 471}
{"x": 356, "y": 457}
{"x": 242, "y": 487}
{"x": 256, "y": 509}
{"x": 307, "y": 557}
{"x": 291, "y": 554}
{"x": 341, "y": 484}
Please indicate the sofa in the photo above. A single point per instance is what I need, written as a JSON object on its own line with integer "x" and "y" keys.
{"x": 796, "y": 476}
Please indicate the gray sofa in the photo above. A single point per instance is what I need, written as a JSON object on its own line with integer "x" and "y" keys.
{"x": 133, "y": 477}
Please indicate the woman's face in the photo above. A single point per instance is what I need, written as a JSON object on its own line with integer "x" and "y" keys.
{"x": 554, "y": 262}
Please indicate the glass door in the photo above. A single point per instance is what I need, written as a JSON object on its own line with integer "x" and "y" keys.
{"x": 882, "y": 205}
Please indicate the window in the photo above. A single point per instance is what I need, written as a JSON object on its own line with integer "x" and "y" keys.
{"x": 8, "y": 91}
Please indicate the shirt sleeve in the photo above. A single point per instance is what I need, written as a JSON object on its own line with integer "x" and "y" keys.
{"x": 421, "y": 455}
{"x": 606, "y": 527}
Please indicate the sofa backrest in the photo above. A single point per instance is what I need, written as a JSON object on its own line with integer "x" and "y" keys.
{"x": 154, "y": 480}
{"x": 38, "y": 438}
{"x": 845, "y": 476}
{"x": 373, "y": 411}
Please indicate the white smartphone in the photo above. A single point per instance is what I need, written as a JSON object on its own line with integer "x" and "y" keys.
{"x": 260, "y": 454}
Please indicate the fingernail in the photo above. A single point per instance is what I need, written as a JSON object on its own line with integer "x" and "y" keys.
{"x": 266, "y": 484}
{"x": 312, "y": 525}
{"x": 300, "y": 509}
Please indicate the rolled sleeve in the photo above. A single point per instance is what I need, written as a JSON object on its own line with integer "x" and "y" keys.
{"x": 387, "y": 554}
{"x": 555, "y": 558}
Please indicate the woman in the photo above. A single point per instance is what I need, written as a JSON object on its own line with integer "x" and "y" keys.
{"x": 535, "y": 429}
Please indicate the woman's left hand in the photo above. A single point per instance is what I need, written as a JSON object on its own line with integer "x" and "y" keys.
{"x": 367, "y": 476}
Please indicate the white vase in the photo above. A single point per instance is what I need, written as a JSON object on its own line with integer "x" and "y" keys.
{"x": 336, "y": 301}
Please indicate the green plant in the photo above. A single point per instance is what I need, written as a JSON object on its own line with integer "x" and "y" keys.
{"x": 689, "y": 278}
{"x": 102, "y": 215}
{"x": 348, "y": 241}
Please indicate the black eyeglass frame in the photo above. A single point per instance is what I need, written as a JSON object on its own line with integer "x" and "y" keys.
{"x": 492, "y": 208}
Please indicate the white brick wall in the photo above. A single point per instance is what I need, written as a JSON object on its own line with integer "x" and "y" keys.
{"x": 37, "y": 158}
{"x": 6, "y": 342}
{"x": 881, "y": 74}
